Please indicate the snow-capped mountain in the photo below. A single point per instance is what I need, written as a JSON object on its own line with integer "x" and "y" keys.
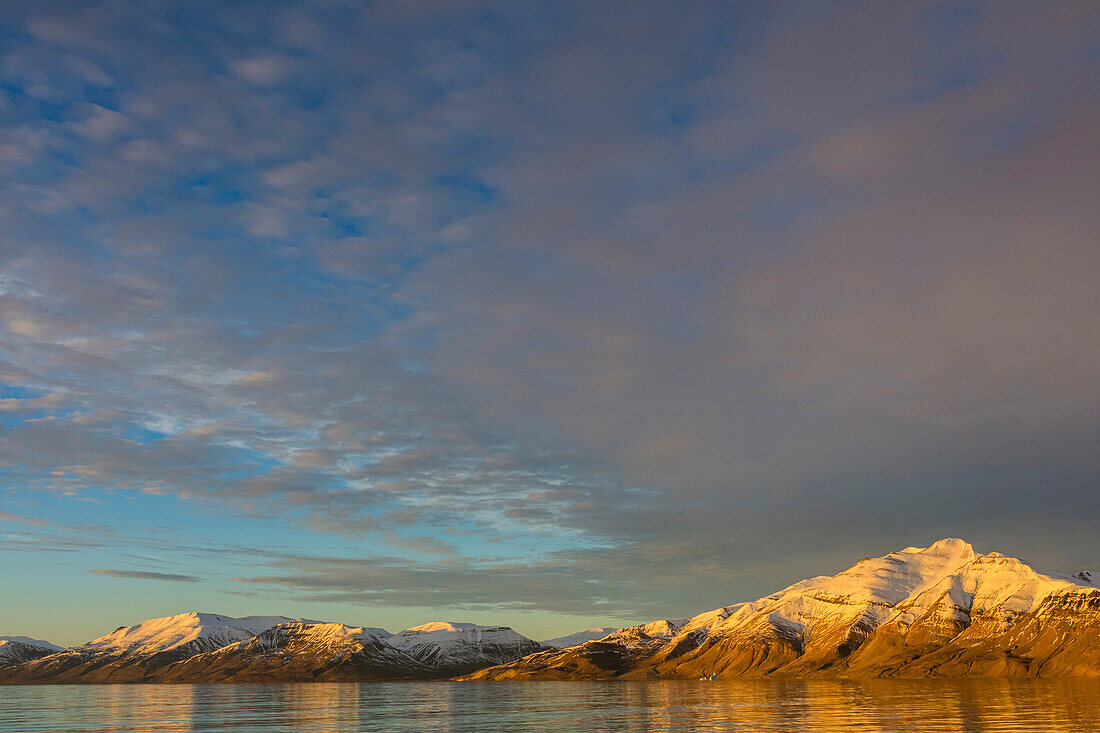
{"x": 939, "y": 610}
{"x": 17, "y": 649}
{"x": 185, "y": 633}
{"x": 206, "y": 647}
{"x": 300, "y": 652}
{"x": 458, "y": 648}
{"x": 130, "y": 653}
{"x": 578, "y": 637}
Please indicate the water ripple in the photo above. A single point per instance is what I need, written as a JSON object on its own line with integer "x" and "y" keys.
{"x": 782, "y": 706}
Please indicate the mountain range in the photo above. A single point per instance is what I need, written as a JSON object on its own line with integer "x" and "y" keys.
{"x": 207, "y": 647}
{"x": 942, "y": 610}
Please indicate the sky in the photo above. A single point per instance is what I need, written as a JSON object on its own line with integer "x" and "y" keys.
{"x": 545, "y": 314}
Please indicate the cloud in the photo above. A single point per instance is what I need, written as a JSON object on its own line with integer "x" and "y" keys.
{"x": 458, "y": 585}
{"x": 9, "y": 517}
{"x": 145, "y": 575}
{"x": 644, "y": 305}
{"x": 31, "y": 404}
{"x": 262, "y": 70}
{"x": 887, "y": 301}
{"x": 101, "y": 124}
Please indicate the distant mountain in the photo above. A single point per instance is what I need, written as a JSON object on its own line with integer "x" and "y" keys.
{"x": 300, "y": 652}
{"x": 205, "y": 647}
{"x": 943, "y": 610}
{"x": 578, "y": 637}
{"x": 16, "y": 649}
{"x": 131, "y": 653}
{"x": 458, "y": 648}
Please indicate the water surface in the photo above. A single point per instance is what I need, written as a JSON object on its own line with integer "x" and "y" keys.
{"x": 931, "y": 706}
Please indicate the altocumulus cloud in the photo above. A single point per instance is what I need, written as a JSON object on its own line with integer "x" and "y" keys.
{"x": 627, "y": 309}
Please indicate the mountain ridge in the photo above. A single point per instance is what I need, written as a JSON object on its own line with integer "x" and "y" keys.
{"x": 207, "y": 647}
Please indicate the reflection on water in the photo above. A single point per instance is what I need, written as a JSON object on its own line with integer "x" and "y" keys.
{"x": 989, "y": 706}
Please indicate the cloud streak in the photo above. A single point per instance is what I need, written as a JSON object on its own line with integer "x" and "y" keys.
{"x": 9, "y": 517}
{"x": 144, "y": 575}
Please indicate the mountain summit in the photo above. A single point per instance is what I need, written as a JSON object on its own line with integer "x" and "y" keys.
{"x": 942, "y": 610}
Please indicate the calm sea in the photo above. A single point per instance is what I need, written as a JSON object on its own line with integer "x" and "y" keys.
{"x": 986, "y": 706}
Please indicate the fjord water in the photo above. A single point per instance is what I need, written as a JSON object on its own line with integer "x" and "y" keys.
{"x": 986, "y": 705}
